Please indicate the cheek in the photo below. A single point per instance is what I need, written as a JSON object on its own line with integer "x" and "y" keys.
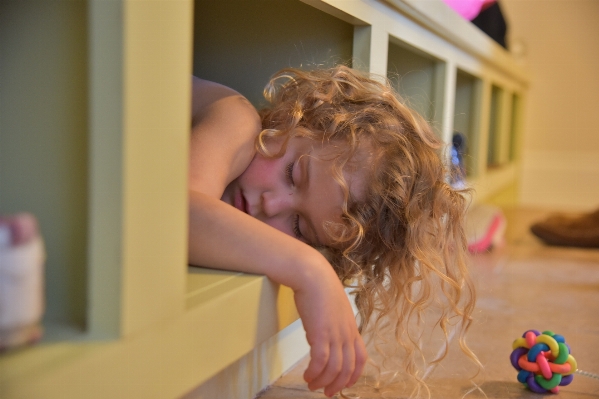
{"x": 260, "y": 173}
{"x": 279, "y": 224}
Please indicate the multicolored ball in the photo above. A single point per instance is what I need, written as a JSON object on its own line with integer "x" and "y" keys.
{"x": 543, "y": 361}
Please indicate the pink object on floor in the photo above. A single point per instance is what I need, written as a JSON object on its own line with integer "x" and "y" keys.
{"x": 485, "y": 228}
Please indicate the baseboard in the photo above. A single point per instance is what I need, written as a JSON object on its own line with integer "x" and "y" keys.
{"x": 560, "y": 179}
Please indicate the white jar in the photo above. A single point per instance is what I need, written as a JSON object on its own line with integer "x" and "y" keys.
{"x": 21, "y": 288}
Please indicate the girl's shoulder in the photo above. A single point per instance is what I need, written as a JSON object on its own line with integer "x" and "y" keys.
{"x": 224, "y": 128}
{"x": 221, "y": 111}
{"x": 211, "y": 97}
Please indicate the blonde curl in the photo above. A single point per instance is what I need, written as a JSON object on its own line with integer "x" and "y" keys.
{"x": 402, "y": 246}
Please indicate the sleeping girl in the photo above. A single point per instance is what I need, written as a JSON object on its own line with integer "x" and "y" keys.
{"x": 336, "y": 183}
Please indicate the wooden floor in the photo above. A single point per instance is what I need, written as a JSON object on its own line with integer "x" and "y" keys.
{"x": 524, "y": 285}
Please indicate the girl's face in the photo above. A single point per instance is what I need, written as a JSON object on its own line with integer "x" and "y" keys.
{"x": 295, "y": 193}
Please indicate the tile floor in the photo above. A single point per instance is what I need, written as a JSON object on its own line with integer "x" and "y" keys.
{"x": 524, "y": 285}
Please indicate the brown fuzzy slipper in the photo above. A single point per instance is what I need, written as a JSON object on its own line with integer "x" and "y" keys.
{"x": 580, "y": 231}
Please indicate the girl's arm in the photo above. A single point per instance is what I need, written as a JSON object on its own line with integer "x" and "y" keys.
{"x": 223, "y": 237}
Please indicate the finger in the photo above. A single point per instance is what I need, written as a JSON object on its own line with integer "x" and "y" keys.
{"x": 348, "y": 365}
{"x": 331, "y": 371}
{"x": 361, "y": 357}
{"x": 319, "y": 356}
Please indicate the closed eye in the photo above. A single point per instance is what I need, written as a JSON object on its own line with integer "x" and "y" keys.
{"x": 289, "y": 173}
{"x": 296, "y": 229}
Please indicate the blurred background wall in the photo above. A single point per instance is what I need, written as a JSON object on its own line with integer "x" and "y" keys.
{"x": 559, "y": 40}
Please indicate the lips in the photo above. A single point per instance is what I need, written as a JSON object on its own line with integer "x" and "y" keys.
{"x": 241, "y": 202}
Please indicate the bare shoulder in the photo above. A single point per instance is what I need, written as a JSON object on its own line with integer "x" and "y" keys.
{"x": 224, "y": 127}
{"x": 212, "y": 100}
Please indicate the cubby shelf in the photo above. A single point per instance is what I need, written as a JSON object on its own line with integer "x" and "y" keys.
{"x": 125, "y": 310}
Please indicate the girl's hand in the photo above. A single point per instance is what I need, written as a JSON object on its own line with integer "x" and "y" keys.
{"x": 338, "y": 354}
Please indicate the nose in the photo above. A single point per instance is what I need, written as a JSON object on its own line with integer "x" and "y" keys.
{"x": 275, "y": 203}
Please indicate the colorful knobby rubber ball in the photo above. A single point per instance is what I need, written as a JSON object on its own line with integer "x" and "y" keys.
{"x": 543, "y": 361}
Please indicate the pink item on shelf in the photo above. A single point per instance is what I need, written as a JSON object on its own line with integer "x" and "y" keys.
{"x": 22, "y": 258}
{"x": 469, "y": 9}
{"x": 485, "y": 228}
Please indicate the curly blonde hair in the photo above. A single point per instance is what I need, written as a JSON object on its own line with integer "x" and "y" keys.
{"x": 402, "y": 246}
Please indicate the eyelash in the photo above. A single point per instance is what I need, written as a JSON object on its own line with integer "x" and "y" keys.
{"x": 296, "y": 230}
{"x": 289, "y": 173}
